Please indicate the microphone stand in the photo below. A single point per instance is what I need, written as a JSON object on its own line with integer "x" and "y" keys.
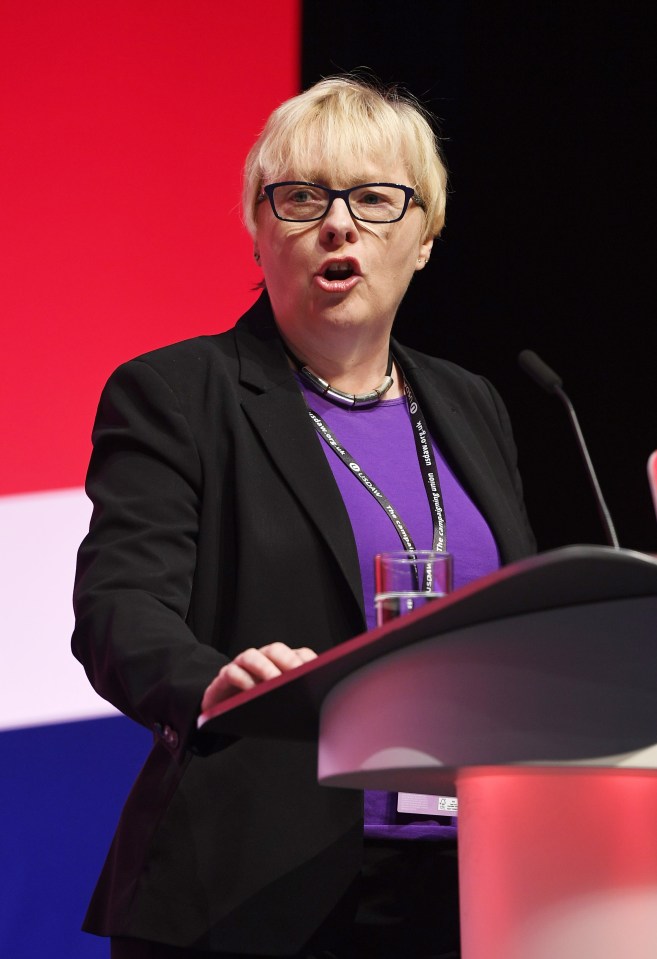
{"x": 551, "y": 382}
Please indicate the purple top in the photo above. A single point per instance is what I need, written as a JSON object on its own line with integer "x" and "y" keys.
{"x": 380, "y": 438}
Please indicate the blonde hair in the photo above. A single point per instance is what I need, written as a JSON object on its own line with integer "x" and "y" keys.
{"x": 345, "y": 120}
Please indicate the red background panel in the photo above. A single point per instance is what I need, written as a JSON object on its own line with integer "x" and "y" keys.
{"x": 125, "y": 124}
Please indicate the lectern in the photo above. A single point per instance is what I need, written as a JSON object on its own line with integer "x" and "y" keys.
{"x": 532, "y": 696}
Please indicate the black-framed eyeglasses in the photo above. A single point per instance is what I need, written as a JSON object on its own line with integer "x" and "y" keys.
{"x": 299, "y": 201}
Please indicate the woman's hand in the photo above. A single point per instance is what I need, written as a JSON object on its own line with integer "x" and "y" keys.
{"x": 251, "y": 667}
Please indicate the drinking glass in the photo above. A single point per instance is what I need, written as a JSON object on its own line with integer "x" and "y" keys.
{"x": 405, "y": 581}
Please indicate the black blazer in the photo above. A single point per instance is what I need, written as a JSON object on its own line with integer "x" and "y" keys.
{"x": 217, "y": 525}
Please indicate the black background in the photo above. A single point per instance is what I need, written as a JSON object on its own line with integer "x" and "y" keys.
{"x": 547, "y": 114}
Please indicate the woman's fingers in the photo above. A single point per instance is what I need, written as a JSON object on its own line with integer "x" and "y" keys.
{"x": 284, "y": 657}
{"x": 254, "y": 666}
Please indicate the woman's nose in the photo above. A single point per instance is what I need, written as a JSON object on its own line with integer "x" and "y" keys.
{"x": 338, "y": 224}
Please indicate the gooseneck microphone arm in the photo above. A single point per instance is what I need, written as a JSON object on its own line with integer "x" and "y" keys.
{"x": 551, "y": 382}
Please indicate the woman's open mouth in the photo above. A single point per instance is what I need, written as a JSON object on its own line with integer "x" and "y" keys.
{"x": 338, "y": 271}
{"x": 338, "y": 276}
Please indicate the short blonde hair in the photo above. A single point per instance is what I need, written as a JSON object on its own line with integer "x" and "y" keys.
{"x": 344, "y": 120}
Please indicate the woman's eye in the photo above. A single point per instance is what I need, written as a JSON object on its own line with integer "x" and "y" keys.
{"x": 370, "y": 199}
{"x": 303, "y": 195}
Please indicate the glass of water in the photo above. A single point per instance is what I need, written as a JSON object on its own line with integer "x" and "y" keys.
{"x": 405, "y": 581}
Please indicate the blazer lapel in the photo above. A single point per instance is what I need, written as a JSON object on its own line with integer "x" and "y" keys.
{"x": 276, "y": 409}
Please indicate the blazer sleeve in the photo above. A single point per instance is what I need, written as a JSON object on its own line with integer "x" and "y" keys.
{"x": 136, "y": 565}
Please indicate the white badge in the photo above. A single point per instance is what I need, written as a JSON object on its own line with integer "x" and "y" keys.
{"x": 427, "y": 805}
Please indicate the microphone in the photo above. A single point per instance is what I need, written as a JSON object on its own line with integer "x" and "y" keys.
{"x": 551, "y": 382}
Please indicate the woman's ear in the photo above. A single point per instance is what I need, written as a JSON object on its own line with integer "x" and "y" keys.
{"x": 425, "y": 252}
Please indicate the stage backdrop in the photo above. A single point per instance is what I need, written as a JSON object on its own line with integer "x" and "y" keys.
{"x": 124, "y": 127}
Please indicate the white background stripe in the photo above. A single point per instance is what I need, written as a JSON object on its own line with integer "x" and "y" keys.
{"x": 40, "y": 681}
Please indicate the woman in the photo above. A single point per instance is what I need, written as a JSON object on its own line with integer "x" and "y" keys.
{"x": 229, "y": 543}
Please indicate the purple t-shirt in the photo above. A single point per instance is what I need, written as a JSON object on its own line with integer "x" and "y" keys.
{"x": 380, "y": 439}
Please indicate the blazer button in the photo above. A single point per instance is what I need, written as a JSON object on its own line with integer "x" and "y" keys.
{"x": 170, "y": 736}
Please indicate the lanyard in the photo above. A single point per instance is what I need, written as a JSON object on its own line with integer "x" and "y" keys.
{"x": 427, "y": 468}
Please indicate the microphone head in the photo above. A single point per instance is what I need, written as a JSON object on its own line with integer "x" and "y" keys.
{"x": 652, "y": 477}
{"x": 539, "y": 371}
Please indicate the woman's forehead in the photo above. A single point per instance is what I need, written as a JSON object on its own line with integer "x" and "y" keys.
{"x": 342, "y": 173}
